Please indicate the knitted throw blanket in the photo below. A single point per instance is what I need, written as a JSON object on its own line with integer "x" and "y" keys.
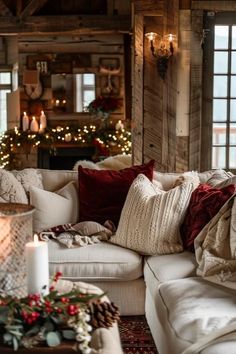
{"x": 215, "y": 247}
{"x": 80, "y": 234}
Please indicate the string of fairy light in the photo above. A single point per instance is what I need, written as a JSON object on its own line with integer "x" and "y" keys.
{"x": 12, "y": 140}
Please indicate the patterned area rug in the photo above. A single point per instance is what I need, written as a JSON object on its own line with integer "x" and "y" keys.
{"x": 135, "y": 335}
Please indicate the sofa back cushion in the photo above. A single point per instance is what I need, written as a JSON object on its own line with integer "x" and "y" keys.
{"x": 102, "y": 193}
{"x": 205, "y": 203}
{"x": 168, "y": 179}
{"x": 56, "y": 179}
{"x": 151, "y": 217}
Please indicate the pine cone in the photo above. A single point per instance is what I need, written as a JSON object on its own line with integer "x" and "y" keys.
{"x": 103, "y": 314}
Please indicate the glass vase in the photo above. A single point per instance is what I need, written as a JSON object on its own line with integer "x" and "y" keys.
{"x": 16, "y": 228}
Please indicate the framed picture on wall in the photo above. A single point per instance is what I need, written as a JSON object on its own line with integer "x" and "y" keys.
{"x": 110, "y": 84}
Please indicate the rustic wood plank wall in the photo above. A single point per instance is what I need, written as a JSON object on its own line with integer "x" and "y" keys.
{"x": 154, "y": 100}
{"x": 195, "y": 90}
{"x": 170, "y": 152}
{"x": 137, "y": 82}
{"x": 183, "y": 90}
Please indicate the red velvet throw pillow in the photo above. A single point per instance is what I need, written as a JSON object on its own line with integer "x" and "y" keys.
{"x": 205, "y": 202}
{"x": 102, "y": 193}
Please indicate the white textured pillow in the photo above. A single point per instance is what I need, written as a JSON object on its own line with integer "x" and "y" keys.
{"x": 11, "y": 191}
{"x": 226, "y": 182}
{"x": 150, "y": 218}
{"x": 219, "y": 176}
{"x": 29, "y": 177}
{"x": 52, "y": 209}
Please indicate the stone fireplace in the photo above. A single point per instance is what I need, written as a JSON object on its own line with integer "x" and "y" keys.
{"x": 61, "y": 157}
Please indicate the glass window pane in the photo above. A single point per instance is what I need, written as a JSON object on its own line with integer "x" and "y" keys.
{"x": 220, "y": 86}
{"x": 232, "y": 157}
{"x": 89, "y": 95}
{"x": 232, "y": 134}
{"x": 233, "y": 86}
{"x": 89, "y": 79}
{"x": 233, "y": 37}
{"x": 218, "y": 157}
{"x": 233, "y": 110}
{"x": 3, "y": 110}
{"x": 221, "y": 62}
{"x": 221, "y": 37}
{"x": 219, "y": 134}
{"x": 233, "y": 62}
{"x": 220, "y": 110}
{"x": 5, "y": 78}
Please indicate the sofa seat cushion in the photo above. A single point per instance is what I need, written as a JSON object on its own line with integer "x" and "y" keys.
{"x": 98, "y": 262}
{"x": 194, "y": 308}
{"x": 171, "y": 266}
{"x": 161, "y": 268}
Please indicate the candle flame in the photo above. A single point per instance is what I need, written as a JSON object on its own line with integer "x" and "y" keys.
{"x": 36, "y": 239}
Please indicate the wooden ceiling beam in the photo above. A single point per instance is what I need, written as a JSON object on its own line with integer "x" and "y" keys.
{"x": 4, "y": 10}
{"x": 88, "y": 24}
{"x": 18, "y": 7}
{"x": 214, "y": 5}
{"x": 32, "y": 7}
{"x": 149, "y": 7}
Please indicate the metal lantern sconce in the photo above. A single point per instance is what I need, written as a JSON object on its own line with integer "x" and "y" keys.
{"x": 163, "y": 51}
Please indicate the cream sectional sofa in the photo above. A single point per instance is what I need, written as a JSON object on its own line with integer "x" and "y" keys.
{"x": 180, "y": 307}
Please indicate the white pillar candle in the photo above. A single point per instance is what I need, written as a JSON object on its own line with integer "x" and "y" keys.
{"x": 34, "y": 126}
{"x": 41, "y": 129}
{"x": 119, "y": 125}
{"x": 36, "y": 253}
{"x": 68, "y": 137}
{"x": 25, "y": 122}
{"x": 43, "y": 120}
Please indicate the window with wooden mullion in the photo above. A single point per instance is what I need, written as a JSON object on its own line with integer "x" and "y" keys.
{"x": 5, "y": 87}
{"x": 223, "y": 146}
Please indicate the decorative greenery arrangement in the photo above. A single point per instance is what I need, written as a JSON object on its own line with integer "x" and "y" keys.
{"x": 102, "y": 106}
{"x": 104, "y": 140}
{"x": 38, "y": 319}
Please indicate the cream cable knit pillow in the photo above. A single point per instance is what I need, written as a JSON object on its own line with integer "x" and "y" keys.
{"x": 150, "y": 218}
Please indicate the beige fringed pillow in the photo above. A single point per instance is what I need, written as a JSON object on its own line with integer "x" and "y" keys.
{"x": 151, "y": 217}
{"x": 54, "y": 208}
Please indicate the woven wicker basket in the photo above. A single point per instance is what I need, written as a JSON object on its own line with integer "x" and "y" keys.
{"x": 16, "y": 229}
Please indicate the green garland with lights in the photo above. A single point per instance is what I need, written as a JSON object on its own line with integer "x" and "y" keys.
{"x": 104, "y": 139}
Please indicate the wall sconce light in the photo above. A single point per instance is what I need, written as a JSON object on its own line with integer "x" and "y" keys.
{"x": 163, "y": 51}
